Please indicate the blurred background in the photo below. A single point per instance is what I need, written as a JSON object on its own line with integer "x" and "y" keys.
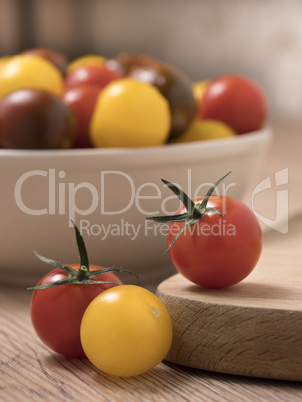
{"x": 205, "y": 38}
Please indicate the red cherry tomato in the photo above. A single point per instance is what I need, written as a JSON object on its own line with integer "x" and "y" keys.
{"x": 92, "y": 75}
{"x": 217, "y": 251}
{"x": 56, "y": 312}
{"x": 81, "y": 100}
{"x": 235, "y": 100}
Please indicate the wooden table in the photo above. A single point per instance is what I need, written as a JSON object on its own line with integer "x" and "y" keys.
{"x": 30, "y": 372}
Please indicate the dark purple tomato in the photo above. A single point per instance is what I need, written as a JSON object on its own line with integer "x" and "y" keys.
{"x": 124, "y": 62}
{"x": 35, "y": 119}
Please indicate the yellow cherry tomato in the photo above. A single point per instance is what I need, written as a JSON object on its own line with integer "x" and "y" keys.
{"x": 3, "y": 61}
{"x": 87, "y": 60}
{"x": 199, "y": 89}
{"x": 201, "y": 130}
{"x": 130, "y": 113}
{"x": 30, "y": 72}
{"x": 126, "y": 331}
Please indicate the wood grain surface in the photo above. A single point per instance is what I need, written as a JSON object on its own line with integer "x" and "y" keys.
{"x": 252, "y": 329}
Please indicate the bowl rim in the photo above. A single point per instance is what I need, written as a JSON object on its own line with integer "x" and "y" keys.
{"x": 242, "y": 141}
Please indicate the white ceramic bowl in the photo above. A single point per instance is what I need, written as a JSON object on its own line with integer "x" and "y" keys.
{"x": 103, "y": 190}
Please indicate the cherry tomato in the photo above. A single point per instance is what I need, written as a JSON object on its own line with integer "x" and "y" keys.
{"x": 126, "y": 331}
{"x": 81, "y": 101}
{"x": 202, "y": 130}
{"x": 176, "y": 87}
{"x": 199, "y": 89}
{"x": 57, "y": 59}
{"x": 99, "y": 75}
{"x": 213, "y": 241}
{"x": 87, "y": 60}
{"x": 3, "y": 61}
{"x": 32, "y": 72}
{"x": 56, "y": 312}
{"x": 130, "y": 113}
{"x": 217, "y": 251}
{"x": 61, "y": 297}
{"x": 35, "y": 119}
{"x": 235, "y": 100}
{"x": 124, "y": 62}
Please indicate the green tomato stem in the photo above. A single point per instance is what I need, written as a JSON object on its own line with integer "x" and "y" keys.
{"x": 195, "y": 211}
{"x": 82, "y": 273}
{"x": 81, "y": 276}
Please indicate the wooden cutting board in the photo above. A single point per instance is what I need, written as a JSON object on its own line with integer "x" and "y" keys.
{"x": 253, "y": 328}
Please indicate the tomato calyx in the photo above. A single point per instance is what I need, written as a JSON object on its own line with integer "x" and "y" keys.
{"x": 81, "y": 276}
{"x": 195, "y": 211}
